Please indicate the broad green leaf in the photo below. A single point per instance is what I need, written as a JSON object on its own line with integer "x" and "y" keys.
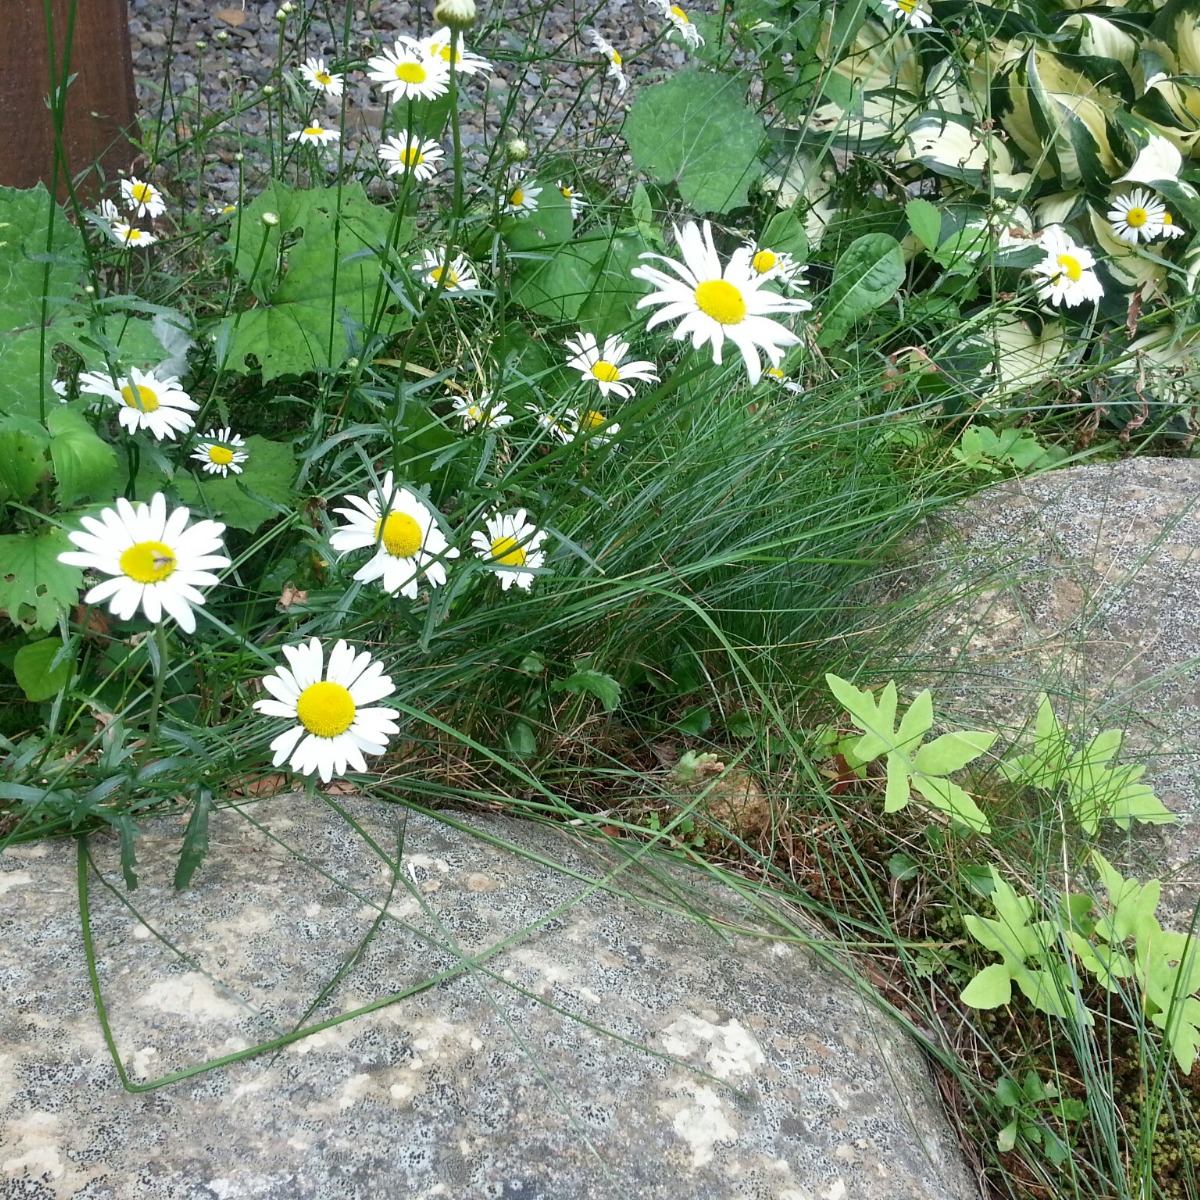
{"x": 950, "y": 798}
{"x": 321, "y": 290}
{"x": 696, "y": 131}
{"x": 1006, "y": 1139}
{"x": 899, "y": 784}
{"x": 596, "y": 683}
{"x": 195, "y": 839}
{"x": 785, "y": 233}
{"x": 916, "y": 722}
{"x": 550, "y": 224}
{"x": 35, "y": 588}
{"x": 520, "y": 739}
{"x": 1049, "y": 992}
{"x": 952, "y": 751}
{"x": 925, "y": 220}
{"x": 876, "y": 718}
{"x": 23, "y": 444}
{"x": 867, "y": 275}
{"x": 1181, "y": 1023}
{"x": 33, "y": 671}
{"x": 990, "y": 988}
{"x": 248, "y": 500}
{"x": 84, "y": 463}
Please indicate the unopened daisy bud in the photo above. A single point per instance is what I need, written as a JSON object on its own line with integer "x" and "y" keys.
{"x": 282, "y": 14}
{"x": 516, "y": 150}
{"x": 352, "y": 364}
{"x": 222, "y": 36}
{"x": 201, "y": 45}
{"x": 239, "y": 157}
{"x": 270, "y": 219}
{"x": 89, "y": 290}
{"x": 268, "y": 89}
{"x": 457, "y": 14}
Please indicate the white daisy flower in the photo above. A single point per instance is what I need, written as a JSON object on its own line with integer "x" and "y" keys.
{"x": 320, "y": 79}
{"x": 778, "y": 265}
{"x": 127, "y": 235}
{"x": 407, "y": 73}
{"x": 573, "y": 198}
{"x": 591, "y": 426}
{"x": 911, "y": 11}
{"x": 681, "y": 23}
{"x": 156, "y": 561}
{"x": 411, "y": 154}
{"x": 1138, "y": 216}
{"x": 314, "y": 134}
{"x": 466, "y": 62}
{"x": 556, "y": 427}
{"x": 142, "y": 199}
{"x": 108, "y": 211}
{"x": 405, "y": 534}
{"x": 331, "y": 707}
{"x": 60, "y": 390}
{"x": 512, "y": 547}
{"x": 484, "y": 413}
{"x": 221, "y": 452}
{"x": 718, "y": 302}
{"x": 459, "y": 275}
{"x": 615, "y": 70}
{"x": 220, "y": 210}
{"x": 522, "y": 200}
{"x": 607, "y": 367}
{"x": 146, "y": 402}
{"x": 1067, "y": 274}
{"x": 1170, "y": 229}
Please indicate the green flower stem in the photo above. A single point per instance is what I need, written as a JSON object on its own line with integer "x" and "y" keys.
{"x": 160, "y": 679}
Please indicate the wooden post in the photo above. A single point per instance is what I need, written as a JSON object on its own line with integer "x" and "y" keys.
{"x": 101, "y": 105}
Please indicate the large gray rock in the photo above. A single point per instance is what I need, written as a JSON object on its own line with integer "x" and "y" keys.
{"x": 592, "y": 1046}
{"x": 1084, "y": 583}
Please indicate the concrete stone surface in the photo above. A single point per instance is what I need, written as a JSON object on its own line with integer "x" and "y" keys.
{"x": 1084, "y": 583}
{"x": 561, "y": 1041}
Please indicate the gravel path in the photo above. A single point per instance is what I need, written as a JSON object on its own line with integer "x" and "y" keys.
{"x": 558, "y": 103}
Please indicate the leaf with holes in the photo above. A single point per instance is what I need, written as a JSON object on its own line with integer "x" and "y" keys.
{"x": 35, "y": 588}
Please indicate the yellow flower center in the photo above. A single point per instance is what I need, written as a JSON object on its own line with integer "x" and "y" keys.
{"x": 505, "y": 550}
{"x": 592, "y": 419}
{"x": 1167, "y": 219}
{"x": 1070, "y": 266}
{"x": 1135, "y": 218}
{"x": 475, "y": 413}
{"x": 148, "y": 562}
{"x": 451, "y": 274}
{"x": 323, "y": 77}
{"x": 142, "y": 398}
{"x": 325, "y": 709}
{"x": 413, "y": 156}
{"x": 567, "y": 193}
{"x": 517, "y": 198}
{"x": 448, "y": 55}
{"x": 401, "y": 535}
{"x": 774, "y": 372}
{"x": 676, "y": 11}
{"x": 908, "y": 6}
{"x": 136, "y": 235}
{"x": 764, "y": 261}
{"x": 143, "y": 193}
{"x": 222, "y": 456}
{"x": 314, "y": 130}
{"x": 614, "y": 58}
{"x": 411, "y": 72}
{"x": 722, "y": 301}
{"x": 606, "y": 372}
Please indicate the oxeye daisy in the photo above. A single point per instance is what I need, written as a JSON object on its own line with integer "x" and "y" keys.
{"x": 522, "y": 199}
{"x": 142, "y": 199}
{"x": 511, "y": 545}
{"x": 457, "y": 276}
{"x": 220, "y": 210}
{"x": 1170, "y": 229}
{"x": 712, "y": 303}
{"x": 1138, "y": 216}
{"x": 314, "y": 134}
{"x": 591, "y": 425}
{"x": 331, "y": 707}
{"x": 1067, "y": 274}
{"x": 778, "y": 265}
{"x": 556, "y": 427}
{"x": 484, "y": 413}
{"x": 407, "y": 73}
{"x": 607, "y": 367}
{"x": 681, "y": 23}
{"x": 466, "y": 62}
{"x": 155, "y": 560}
{"x": 616, "y": 70}
{"x": 405, "y": 534}
{"x": 320, "y": 78}
{"x": 108, "y": 211}
{"x": 221, "y": 452}
{"x": 128, "y": 235}
{"x": 573, "y": 198}
{"x": 912, "y": 11}
{"x": 409, "y": 153}
{"x": 144, "y": 400}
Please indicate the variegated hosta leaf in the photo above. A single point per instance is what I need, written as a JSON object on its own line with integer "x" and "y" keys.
{"x": 1022, "y": 358}
{"x": 1172, "y": 106}
{"x": 1178, "y": 25}
{"x": 950, "y": 145}
{"x": 866, "y": 125}
{"x": 1101, "y": 38}
{"x": 878, "y": 58}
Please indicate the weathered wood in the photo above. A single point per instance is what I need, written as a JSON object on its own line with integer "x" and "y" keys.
{"x": 101, "y": 105}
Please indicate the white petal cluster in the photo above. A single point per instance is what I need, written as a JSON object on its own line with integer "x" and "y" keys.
{"x": 606, "y": 366}
{"x": 1067, "y": 274}
{"x": 512, "y": 547}
{"x": 145, "y": 401}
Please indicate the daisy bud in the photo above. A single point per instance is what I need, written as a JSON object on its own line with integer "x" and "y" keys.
{"x": 89, "y": 290}
{"x": 201, "y": 45}
{"x": 268, "y": 89}
{"x": 281, "y": 14}
{"x": 270, "y": 219}
{"x": 222, "y": 36}
{"x": 457, "y": 14}
{"x": 517, "y": 149}
{"x": 352, "y": 364}
{"x": 239, "y": 157}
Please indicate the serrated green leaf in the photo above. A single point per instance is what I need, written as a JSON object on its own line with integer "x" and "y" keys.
{"x": 952, "y": 751}
{"x": 695, "y": 130}
{"x": 23, "y": 443}
{"x": 31, "y": 666}
{"x": 925, "y": 220}
{"x": 268, "y": 472}
{"x": 867, "y": 275}
{"x": 84, "y": 463}
{"x": 35, "y": 588}
{"x": 990, "y": 988}
{"x": 596, "y": 683}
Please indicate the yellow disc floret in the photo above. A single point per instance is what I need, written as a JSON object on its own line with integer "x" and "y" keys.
{"x": 401, "y": 535}
{"x": 325, "y": 709}
{"x": 140, "y": 397}
{"x": 764, "y": 261}
{"x": 411, "y": 72}
{"x": 148, "y": 562}
{"x": 1071, "y": 267}
{"x": 505, "y": 550}
{"x": 222, "y": 456}
{"x": 720, "y": 300}
{"x": 1135, "y": 218}
{"x": 606, "y": 372}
